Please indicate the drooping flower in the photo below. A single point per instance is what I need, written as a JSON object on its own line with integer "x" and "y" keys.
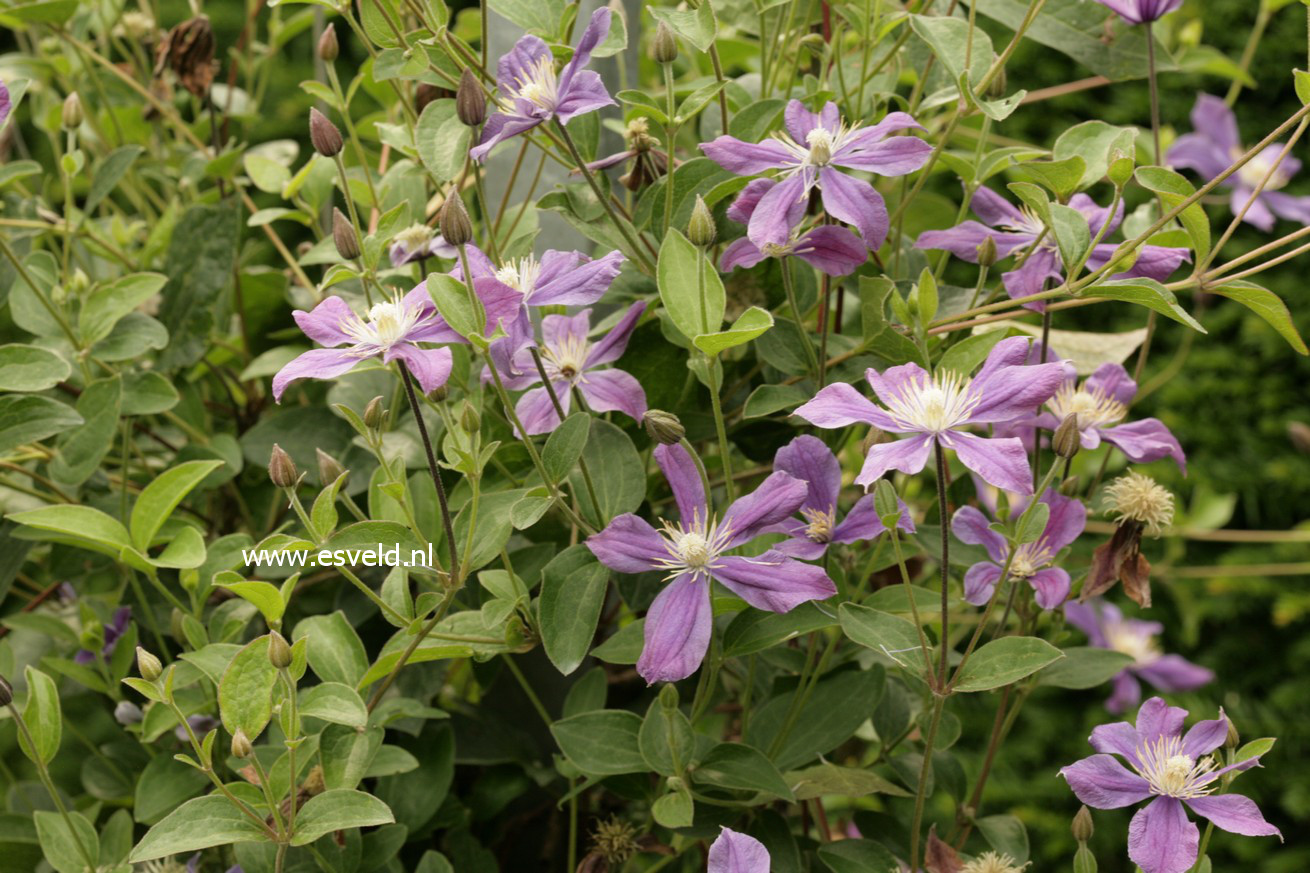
{"x": 648, "y": 162}
{"x": 115, "y": 629}
{"x": 531, "y": 92}
{"x": 1015, "y": 229}
{"x": 1171, "y": 770}
{"x": 1099, "y": 404}
{"x": 417, "y": 243}
{"x": 1032, "y": 561}
{"x": 737, "y": 853}
{"x": 1141, "y": 11}
{"x": 806, "y": 458}
{"x": 811, "y": 154}
{"x": 694, "y": 551}
{"x": 828, "y": 247}
{"x": 937, "y": 407}
{"x": 1107, "y": 628}
{"x": 572, "y": 360}
{"x": 1213, "y": 146}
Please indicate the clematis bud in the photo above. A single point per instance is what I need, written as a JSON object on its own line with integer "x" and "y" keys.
{"x": 148, "y": 665}
{"x": 328, "y": 47}
{"x": 438, "y": 394}
{"x": 6, "y": 692}
{"x": 1234, "y": 739}
{"x": 344, "y": 236}
{"x": 669, "y": 696}
{"x": 470, "y": 102}
{"x": 324, "y": 134}
{"x": 329, "y": 468}
{"x": 874, "y": 437}
{"x": 279, "y": 650}
{"x": 664, "y": 47}
{"x": 469, "y": 420}
{"x": 456, "y": 228}
{"x": 281, "y": 469}
{"x": 663, "y": 427}
{"x": 127, "y": 713}
{"x": 374, "y": 414}
{"x": 72, "y": 115}
{"x": 1067, "y": 440}
{"x": 701, "y": 230}
{"x": 241, "y": 747}
{"x": 1082, "y": 825}
{"x": 987, "y": 251}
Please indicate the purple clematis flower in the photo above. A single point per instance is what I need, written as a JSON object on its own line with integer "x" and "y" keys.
{"x": 1014, "y": 229}
{"x": 937, "y": 407}
{"x": 1141, "y": 11}
{"x": 827, "y": 247}
{"x": 531, "y": 92}
{"x": 737, "y": 853}
{"x": 811, "y": 154}
{"x": 418, "y": 243}
{"x": 1212, "y": 147}
{"x": 1173, "y": 769}
{"x": 1106, "y": 628}
{"x": 1032, "y": 561}
{"x": 1099, "y": 403}
{"x": 694, "y": 551}
{"x": 6, "y": 104}
{"x": 806, "y": 458}
{"x": 571, "y": 361}
{"x": 116, "y": 627}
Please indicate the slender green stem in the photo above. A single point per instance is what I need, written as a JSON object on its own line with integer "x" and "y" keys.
{"x": 1155, "y": 92}
{"x": 914, "y": 607}
{"x": 725, "y": 456}
{"x": 419, "y": 637}
{"x": 448, "y": 527}
{"x": 44, "y": 773}
{"x": 350, "y": 207}
{"x": 945, "y": 520}
{"x": 587, "y": 481}
{"x": 788, "y": 287}
{"x": 670, "y": 133}
{"x": 920, "y": 794}
{"x": 623, "y": 227}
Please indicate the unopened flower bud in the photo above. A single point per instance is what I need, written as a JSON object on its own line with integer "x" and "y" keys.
{"x": 669, "y": 696}
{"x": 987, "y": 251}
{"x": 6, "y": 692}
{"x": 328, "y": 47}
{"x": 470, "y": 102}
{"x": 1120, "y": 168}
{"x": 324, "y": 134}
{"x": 1070, "y": 487}
{"x": 281, "y": 469}
{"x": 374, "y": 414}
{"x": 279, "y": 650}
{"x": 701, "y": 230}
{"x": 663, "y": 427}
{"x": 72, "y": 115}
{"x": 127, "y": 713}
{"x": 241, "y": 747}
{"x": 874, "y": 437}
{"x": 329, "y": 468}
{"x": 148, "y": 665}
{"x": 1082, "y": 825}
{"x": 1234, "y": 739}
{"x": 469, "y": 419}
{"x": 996, "y": 90}
{"x": 814, "y": 43}
{"x": 438, "y": 394}
{"x": 344, "y": 236}
{"x": 456, "y": 228}
{"x": 664, "y": 47}
{"x": 1067, "y": 440}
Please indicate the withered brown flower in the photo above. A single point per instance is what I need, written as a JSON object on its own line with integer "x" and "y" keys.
{"x": 188, "y": 50}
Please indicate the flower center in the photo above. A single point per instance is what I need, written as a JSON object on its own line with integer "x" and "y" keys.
{"x": 821, "y": 524}
{"x": 1137, "y": 644}
{"x": 1253, "y": 171}
{"x": 1028, "y": 559}
{"x": 386, "y": 325}
{"x": 539, "y": 85}
{"x": 567, "y": 358}
{"x": 1173, "y": 773}
{"x": 821, "y": 143}
{"x": 521, "y": 275}
{"x": 993, "y": 862}
{"x": 694, "y": 547}
{"x": 1092, "y": 408}
{"x": 932, "y": 404}
{"x": 414, "y": 237}
{"x": 1028, "y": 222}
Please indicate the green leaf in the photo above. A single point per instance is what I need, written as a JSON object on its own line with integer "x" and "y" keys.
{"x": 442, "y": 140}
{"x": 1061, "y": 177}
{"x": 1173, "y": 189}
{"x": 748, "y": 326}
{"x": 201, "y": 256}
{"x": 268, "y": 175}
{"x": 197, "y": 824}
{"x": 564, "y": 446}
{"x": 695, "y": 310}
{"x": 60, "y": 846}
{"x": 624, "y": 647}
{"x": 769, "y": 399}
{"x": 573, "y": 587}
{"x": 1084, "y": 667}
{"x": 895, "y": 637}
{"x": 107, "y": 176}
{"x": 158, "y": 499}
{"x": 601, "y": 743}
{"x": 245, "y": 694}
{"x": 42, "y": 11}
{"x": 968, "y": 354}
{"x": 81, "y": 449}
{"x": 1007, "y": 835}
{"x": 1265, "y": 304}
{"x": 266, "y": 598}
{"x": 666, "y": 740}
{"x": 754, "y": 630}
{"x": 827, "y": 779}
{"x": 1144, "y": 292}
{"x": 948, "y": 37}
{"x": 540, "y": 17}
{"x": 147, "y": 393}
{"x": 81, "y": 523}
{"x": 618, "y": 475}
{"x": 451, "y": 297}
{"x": 347, "y": 753}
{"x": 30, "y": 419}
{"x": 25, "y": 302}
{"x": 696, "y": 26}
{"x": 1094, "y": 142}
{"x": 675, "y": 809}
{"x": 335, "y": 651}
{"x": 1079, "y": 30}
{"x": 42, "y": 714}
{"x": 1004, "y": 661}
{"x": 835, "y": 710}
{"x": 165, "y": 784}
{"x": 30, "y": 368}
{"x": 856, "y": 856}
{"x": 334, "y": 702}
{"x": 880, "y": 337}
{"x": 743, "y": 768}
{"x": 186, "y": 551}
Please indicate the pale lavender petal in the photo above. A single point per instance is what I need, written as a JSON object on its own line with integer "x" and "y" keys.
{"x": 1097, "y": 214}
{"x": 1121, "y": 738}
{"x": 1051, "y": 586}
{"x": 855, "y": 202}
{"x": 1158, "y": 719}
{"x": 778, "y": 497}
{"x": 771, "y": 222}
{"x": 799, "y": 545}
{"x": 6, "y": 103}
{"x": 614, "y": 391}
{"x": 628, "y": 544}
{"x": 995, "y": 210}
{"x": 677, "y": 630}
{"x": 1235, "y": 814}
{"x": 684, "y": 478}
{"x": 582, "y": 286}
{"x": 840, "y": 405}
{"x": 832, "y": 249}
{"x": 521, "y": 62}
{"x": 500, "y": 127}
{"x": 1086, "y": 617}
{"x": 1146, "y": 440}
{"x": 314, "y": 364}
{"x": 1000, "y": 462}
{"x": 740, "y": 254}
{"x": 323, "y": 323}
{"x": 1065, "y": 523}
{"x": 431, "y": 367}
{"x": 909, "y": 456}
{"x": 597, "y": 29}
{"x": 1113, "y": 380}
{"x": 1102, "y": 782}
{"x": 612, "y": 346}
{"x": 963, "y": 240}
{"x": 1212, "y": 118}
{"x": 1126, "y": 694}
{"x": 555, "y": 264}
{"x": 748, "y": 158}
{"x": 807, "y": 458}
{"x": 559, "y": 331}
{"x": 537, "y": 411}
{"x": 1032, "y": 275}
{"x": 773, "y": 581}
{"x": 586, "y": 94}
{"x": 1257, "y": 214}
{"x": 893, "y": 383}
{"x": 970, "y": 526}
{"x": 744, "y": 206}
{"x": 1287, "y": 206}
{"x": 1197, "y": 151}
{"x": 737, "y": 853}
{"x": 1015, "y": 392}
{"x": 1153, "y": 262}
{"x": 865, "y": 137}
{"x": 863, "y": 523}
{"x": 892, "y": 157}
{"x": 800, "y": 121}
{"x": 1205, "y": 736}
{"x": 1013, "y": 351}
{"x": 1161, "y": 839}
{"x": 980, "y": 582}
{"x": 1173, "y": 673}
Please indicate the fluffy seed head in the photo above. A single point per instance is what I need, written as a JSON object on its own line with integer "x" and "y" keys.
{"x": 1134, "y": 497}
{"x": 993, "y": 862}
{"x": 615, "y": 840}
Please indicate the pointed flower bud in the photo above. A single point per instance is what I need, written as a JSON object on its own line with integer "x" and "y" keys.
{"x": 987, "y": 251}
{"x": 1234, "y": 739}
{"x": 701, "y": 230}
{"x": 669, "y": 696}
{"x": 329, "y": 468}
{"x": 148, "y": 665}
{"x": 328, "y": 47}
{"x": 72, "y": 115}
{"x": 469, "y": 419}
{"x": 324, "y": 134}
{"x": 344, "y": 236}
{"x": 1082, "y": 825}
{"x": 663, "y": 427}
{"x": 281, "y": 469}
{"x": 279, "y": 650}
{"x": 438, "y": 394}
{"x": 1067, "y": 440}
{"x": 470, "y": 102}
{"x": 664, "y": 47}
{"x": 241, "y": 747}
{"x": 456, "y": 228}
{"x": 374, "y": 414}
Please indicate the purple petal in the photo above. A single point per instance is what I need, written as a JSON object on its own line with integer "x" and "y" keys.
{"x": 855, "y": 202}
{"x": 581, "y": 286}
{"x": 1146, "y": 440}
{"x": 1101, "y": 782}
{"x": 1127, "y": 692}
{"x": 536, "y": 409}
{"x": 840, "y": 405}
{"x": 1212, "y": 118}
{"x": 744, "y": 206}
{"x": 1121, "y": 738}
{"x": 614, "y": 391}
{"x": 6, "y": 103}
{"x": 1097, "y": 214}
{"x": 500, "y": 127}
{"x": 800, "y": 121}
{"x": 559, "y": 331}
{"x": 771, "y": 221}
{"x": 521, "y": 62}
{"x": 1287, "y": 206}
{"x": 865, "y": 137}
{"x": 1257, "y": 214}
{"x": 1161, "y": 839}
{"x": 1113, "y": 380}
{"x": 778, "y": 497}
{"x": 747, "y": 158}
{"x": 611, "y": 347}
{"x": 431, "y": 367}
{"x": 684, "y": 478}
{"x": 863, "y": 523}
{"x": 1065, "y": 523}
{"x": 313, "y": 364}
{"x": 980, "y": 582}
{"x": 1032, "y": 275}
{"x": 996, "y": 211}
{"x": 628, "y": 544}
{"x": 963, "y": 240}
{"x": 892, "y": 157}
{"x": 1000, "y": 462}
{"x": 1153, "y": 262}
{"x": 597, "y": 29}
{"x": 809, "y": 460}
{"x": 909, "y": 456}
{"x": 832, "y": 249}
{"x": 1051, "y": 586}
{"x": 323, "y": 323}
{"x": 586, "y": 94}
{"x": 737, "y": 853}
{"x": 1008, "y": 393}
{"x": 677, "y": 631}
{"x": 1173, "y": 673}
{"x": 970, "y": 526}
{"x": 773, "y": 581}
{"x": 1196, "y": 151}
{"x": 895, "y": 382}
{"x": 1235, "y": 814}
{"x": 740, "y": 254}
{"x": 1086, "y": 617}
{"x": 1206, "y": 736}
{"x": 1158, "y": 719}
